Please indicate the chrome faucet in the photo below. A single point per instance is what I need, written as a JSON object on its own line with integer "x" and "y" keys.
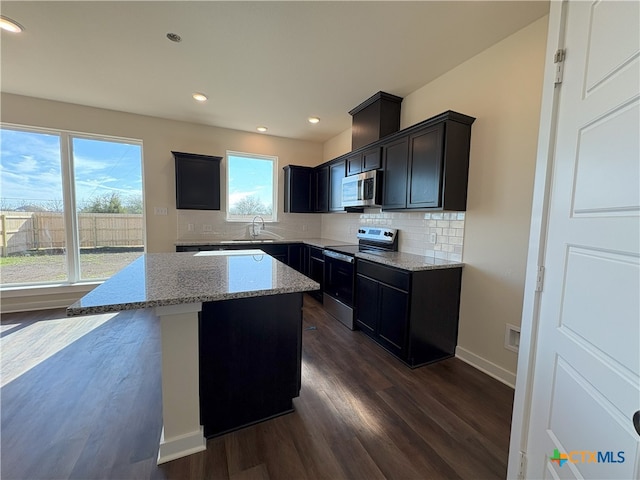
{"x": 253, "y": 226}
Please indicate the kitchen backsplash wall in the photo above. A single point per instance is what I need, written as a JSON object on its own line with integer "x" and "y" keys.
{"x": 199, "y": 225}
{"x": 417, "y": 230}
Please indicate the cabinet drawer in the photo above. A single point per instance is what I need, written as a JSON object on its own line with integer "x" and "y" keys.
{"x": 390, "y": 276}
{"x": 316, "y": 253}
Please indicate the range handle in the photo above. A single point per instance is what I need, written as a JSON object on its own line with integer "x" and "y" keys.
{"x": 338, "y": 256}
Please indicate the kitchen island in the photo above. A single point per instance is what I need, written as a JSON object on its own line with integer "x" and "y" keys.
{"x": 231, "y": 325}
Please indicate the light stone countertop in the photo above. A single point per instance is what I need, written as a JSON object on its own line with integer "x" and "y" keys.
{"x": 316, "y": 242}
{"x": 160, "y": 279}
{"x": 408, "y": 261}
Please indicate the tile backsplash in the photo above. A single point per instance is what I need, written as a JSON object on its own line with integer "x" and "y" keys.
{"x": 439, "y": 234}
{"x": 418, "y": 230}
{"x": 212, "y": 225}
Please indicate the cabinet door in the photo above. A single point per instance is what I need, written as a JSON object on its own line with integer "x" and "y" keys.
{"x": 371, "y": 159}
{"x": 197, "y": 181}
{"x": 354, "y": 164}
{"x": 316, "y": 270}
{"x": 394, "y": 184}
{"x": 425, "y": 168}
{"x": 367, "y": 304}
{"x": 297, "y": 189}
{"x": 321, "y": 176}
{"x": 393, "y": 321}
{"x": 336, "y": 174}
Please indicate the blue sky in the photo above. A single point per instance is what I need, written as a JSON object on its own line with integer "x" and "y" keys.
{"x": 250, "y": 177}
{"x": 30, "y": 168}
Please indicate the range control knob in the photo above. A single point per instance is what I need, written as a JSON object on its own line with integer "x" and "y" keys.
{"x": 388, "y": 234}
{"x": 361, "y": 231}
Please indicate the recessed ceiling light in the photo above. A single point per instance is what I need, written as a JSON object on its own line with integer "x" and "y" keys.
{"x": 314, "y": 120}
{"x": 262, "y": 129}
{"x": 10, "y": 25}
{"x": 200, "y": 97}
{"x": 174, "y": 37}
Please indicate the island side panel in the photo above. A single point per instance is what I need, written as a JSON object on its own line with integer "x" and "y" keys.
{"x": 182, "y": 432}
{"x": 250, "y": 360}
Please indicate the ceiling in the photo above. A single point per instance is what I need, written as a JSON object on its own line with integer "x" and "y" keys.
{"x": 260, "y": 63}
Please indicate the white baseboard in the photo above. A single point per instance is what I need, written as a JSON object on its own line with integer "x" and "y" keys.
{"x": 181, "y": 446}
{"x": 485, "y": 366}
{"x": 45, "y": 297}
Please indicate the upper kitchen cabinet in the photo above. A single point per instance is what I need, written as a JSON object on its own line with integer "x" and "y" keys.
{"x": 337, "y": 171}
{"x": 373, "y": 119}
{"x": 197, "y": 181}
{"x": 427, "y": 166}
{"x": 363, "y": 161}
{"x": 298, "y": 189}
{"x": 394, "y": 184}
{"x": 321, "y": 189}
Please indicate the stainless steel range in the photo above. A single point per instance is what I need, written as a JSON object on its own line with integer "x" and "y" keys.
{"x": 340, "y": 272}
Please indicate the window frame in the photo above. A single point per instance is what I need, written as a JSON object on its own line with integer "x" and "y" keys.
{"x": 229, "y": 217}
{"x": 69, "y": 214}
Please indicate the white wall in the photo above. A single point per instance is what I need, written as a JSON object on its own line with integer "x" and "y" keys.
{"x": 160, "y": 137}
{"x": 502, "y": 88}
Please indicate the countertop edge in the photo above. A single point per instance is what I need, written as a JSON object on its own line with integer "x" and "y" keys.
{"x": 411, "y": 263}
{"x": 117, "y": 307}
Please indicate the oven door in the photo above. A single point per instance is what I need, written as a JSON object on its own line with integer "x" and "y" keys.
{"x": 339, "y": 279}
{"x": 339, "y": 276}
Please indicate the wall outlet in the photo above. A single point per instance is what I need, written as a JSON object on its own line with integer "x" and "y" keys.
{"x": 207, "y": 228}
{"x": 160, "y": 210}
{"x": 512, "y": 338}
{"x": 190, "y": 227}
{"x": 433, "y": 238}
{"x": 304, "y": 227}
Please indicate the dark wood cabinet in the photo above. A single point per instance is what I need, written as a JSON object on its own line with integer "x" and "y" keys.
{"x": 250, "y": 353}
{"x": 394, "y": 185}
{"x": 337, "y": 171}
{"x": 279, "y": 251}
{"x": 321, "y": 189}
{"x": 430, "y": 161}
{"x": 197, "y": 181}
{"x": 297, "y": 256}
{"x": 376, "y": 117}
{"x": 369, "y": 159}
{"x": 425, "y": 167}
{"x": 316, "y": 270}
{"x": 413, "y": 315}
{"x": 298, "y": 189}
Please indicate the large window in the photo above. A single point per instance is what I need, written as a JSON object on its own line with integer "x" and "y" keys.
{"x": 70, "y": 206}
{"x": 251, "y": 187}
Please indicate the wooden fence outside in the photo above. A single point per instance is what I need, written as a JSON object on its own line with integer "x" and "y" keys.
{"x": 23, "y": 231}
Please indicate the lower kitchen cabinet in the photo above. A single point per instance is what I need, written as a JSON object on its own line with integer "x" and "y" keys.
{"x": 316, "y": 270}
{"x": 250, "y": 360}
{"x": 279, "y": 251}
{"x": 413, "y": 315}
{"x": 297, "y": 257}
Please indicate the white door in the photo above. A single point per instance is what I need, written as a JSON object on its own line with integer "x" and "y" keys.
{"x": 586, "y": 380}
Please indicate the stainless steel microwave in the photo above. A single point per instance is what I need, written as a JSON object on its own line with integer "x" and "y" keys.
{"x": 362, "y": 190}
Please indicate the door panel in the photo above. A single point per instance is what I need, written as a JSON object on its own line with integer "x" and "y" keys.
{"x": 392, "y": 325}
{"x": 367, "y": 294}
{"x": 586, "y": 386}
{"x": 425, "y": 165}
{"x": 394, "y": 187}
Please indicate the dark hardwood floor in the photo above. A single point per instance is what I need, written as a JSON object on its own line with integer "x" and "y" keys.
{"x": 81, "y": 399}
